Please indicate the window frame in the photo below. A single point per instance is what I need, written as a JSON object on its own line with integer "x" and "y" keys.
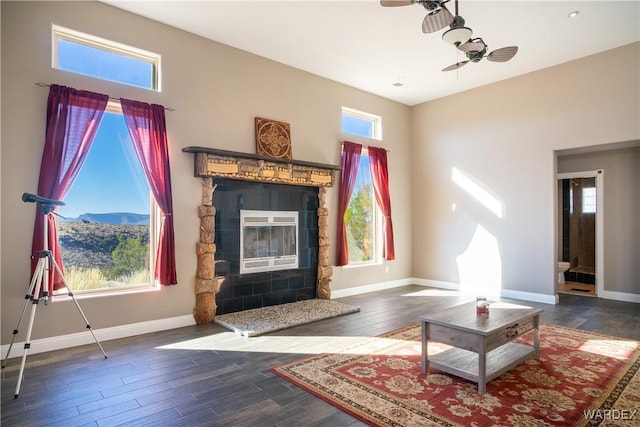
{"x": 377, "y": 236}
{"x": 155, "y": 220}
{"x": 99, "y": 43}
{"x": 376, "y": 122}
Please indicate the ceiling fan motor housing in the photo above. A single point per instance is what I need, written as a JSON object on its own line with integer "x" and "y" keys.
{"x": 431, "y": 4}
{"x": 458, "y": 21}
{"x": 476, "y": 56}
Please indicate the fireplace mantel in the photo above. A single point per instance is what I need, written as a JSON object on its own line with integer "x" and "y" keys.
{"x": 210, "y": 163}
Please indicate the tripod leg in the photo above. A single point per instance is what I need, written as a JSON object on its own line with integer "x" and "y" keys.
{"x": 27, "y": 297}
{"x": 39, "y": 273}
{"x": 86, "y": 322}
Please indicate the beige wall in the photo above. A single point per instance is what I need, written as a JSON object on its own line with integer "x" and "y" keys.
{"x": 504, "y": 137}
{"x": 621, "y": 199}
{"x": 216, "y": 91}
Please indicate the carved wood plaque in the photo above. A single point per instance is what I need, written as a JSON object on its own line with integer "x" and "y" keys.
{"x": 273, "y": 139}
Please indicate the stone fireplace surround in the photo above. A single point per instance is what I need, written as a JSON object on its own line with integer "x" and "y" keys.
{"x": 210, "y": 164}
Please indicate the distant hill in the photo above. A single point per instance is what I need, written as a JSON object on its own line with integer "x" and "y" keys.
{"x": 117, "y": 218}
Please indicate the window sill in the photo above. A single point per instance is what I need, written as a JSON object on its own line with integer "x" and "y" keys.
{"x": 64, "y": 296}
{"x": 362, "y": 264}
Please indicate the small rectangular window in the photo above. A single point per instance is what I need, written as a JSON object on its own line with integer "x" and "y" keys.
{"x": 362, "y": 124}
{"x": 97, "y": 57}
{"x": 589, "y": 200}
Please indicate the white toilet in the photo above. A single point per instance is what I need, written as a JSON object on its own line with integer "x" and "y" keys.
{"x": 562, "y": 267}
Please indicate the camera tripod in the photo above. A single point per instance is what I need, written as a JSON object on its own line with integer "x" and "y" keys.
{"x": 39, "y": 285}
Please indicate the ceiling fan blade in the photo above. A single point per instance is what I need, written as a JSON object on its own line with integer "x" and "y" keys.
{"x": 394, "y": 3}
{"x": 472, "y": 46}
{"x": 503, "y": 54}
{"x": 437, "y": 20}
{"x": 455, "y": 66}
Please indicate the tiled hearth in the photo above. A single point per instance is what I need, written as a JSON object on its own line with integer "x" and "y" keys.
{"x": 232, "y": 181}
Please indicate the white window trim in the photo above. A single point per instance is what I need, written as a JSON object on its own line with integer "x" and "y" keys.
{"x": 62, "y": 33}
{"x": 376, "y": 120}
{"x": 377, "y": 237}
{"x": 155, "y": 220}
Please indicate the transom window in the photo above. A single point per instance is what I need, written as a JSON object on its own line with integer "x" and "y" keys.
{"x": 362, "y": 124}
{"x": 97, "y": 57}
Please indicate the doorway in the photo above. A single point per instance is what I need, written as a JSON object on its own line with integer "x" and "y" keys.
{"x": 580, "y": 225}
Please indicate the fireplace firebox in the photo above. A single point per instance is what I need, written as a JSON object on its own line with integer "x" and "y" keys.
{"x": 268, "y": 240}
{"x": 266, "y": 244}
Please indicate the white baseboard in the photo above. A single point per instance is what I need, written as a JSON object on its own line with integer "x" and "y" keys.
{"x": 619, "y": 296}
{"x": 506, "y": 293}
{"x": 530, "y": 296}
{"x": 341, "y": 293}
{"x": 106, "y": 334}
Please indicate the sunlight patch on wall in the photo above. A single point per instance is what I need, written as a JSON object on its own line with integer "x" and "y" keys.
{"x": 480, "y": 265}
{"x": 477, "y": 191}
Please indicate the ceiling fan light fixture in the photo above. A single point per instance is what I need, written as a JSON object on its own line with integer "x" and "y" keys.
{"x": 458, "y": 35}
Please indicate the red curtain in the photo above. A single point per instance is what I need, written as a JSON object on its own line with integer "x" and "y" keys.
{"x": 380, "y": 176}
{"x": 73, "y": 118}
{"x": 147, "y": 127}
{"x": 349, "y": 163}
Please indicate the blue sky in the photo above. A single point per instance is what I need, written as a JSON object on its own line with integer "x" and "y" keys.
{"x": 357, "y": 126}
{"x": 111, "y": 178}
{"x": 361, "y": 127}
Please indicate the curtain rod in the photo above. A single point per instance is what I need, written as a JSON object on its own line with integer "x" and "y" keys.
{"x": 375, "y": 146}
{"x": 113, "y": 98}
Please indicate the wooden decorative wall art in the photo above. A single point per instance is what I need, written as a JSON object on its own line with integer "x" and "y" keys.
{"x": 273, "y": 139}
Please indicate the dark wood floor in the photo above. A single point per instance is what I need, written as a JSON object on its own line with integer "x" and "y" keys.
{"x": 205, "y": 375}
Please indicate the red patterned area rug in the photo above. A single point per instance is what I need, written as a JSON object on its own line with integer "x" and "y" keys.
{"x": 581, "y": 379}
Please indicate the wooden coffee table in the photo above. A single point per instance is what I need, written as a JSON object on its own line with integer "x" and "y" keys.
{"x": 482, "y": 347}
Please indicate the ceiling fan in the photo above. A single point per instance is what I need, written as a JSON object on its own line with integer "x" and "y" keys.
{"x": 458, "y": 34}
{"x": 476, "y": 49}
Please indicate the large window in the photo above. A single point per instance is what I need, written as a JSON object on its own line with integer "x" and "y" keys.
{"x": 97, "y": 57}
{"x": 107, "y": 231}
{"x": 362, "y": 218}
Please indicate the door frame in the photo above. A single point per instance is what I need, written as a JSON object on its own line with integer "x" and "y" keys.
{"x": 598, "y": 174}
